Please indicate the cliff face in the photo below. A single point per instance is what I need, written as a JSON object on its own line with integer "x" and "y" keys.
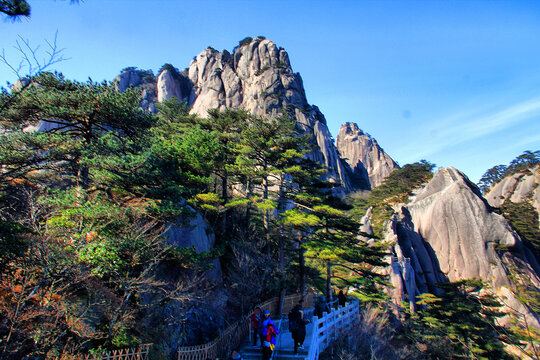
{"x": 258, "y": 77}
{"x": 364, "y": 155}
{"x": 143, "y": 79}
{"x": 448, "y": 232}
{"x": 523, "y": 186}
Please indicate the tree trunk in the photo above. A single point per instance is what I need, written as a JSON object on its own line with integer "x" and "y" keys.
{"x": 302, "y": 265}
{"x": 224, "y": 185}
{"x": 266, "y": 217}
{"x": 328, "y": 280}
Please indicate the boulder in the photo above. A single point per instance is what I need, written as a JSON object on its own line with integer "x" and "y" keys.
{"x": 466, "y": 239}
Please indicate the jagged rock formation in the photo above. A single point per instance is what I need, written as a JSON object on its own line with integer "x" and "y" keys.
{"x": 454, "y": 219}
{"x": 363, "y": 154}
{"x": 256, "y": 77}
{"x": 516, "y": 188}
{"x": 449, "y": 232}
{"x": 143, "y": 79}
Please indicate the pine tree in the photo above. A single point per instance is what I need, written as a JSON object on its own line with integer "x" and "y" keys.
{"x": 461, "y": 323}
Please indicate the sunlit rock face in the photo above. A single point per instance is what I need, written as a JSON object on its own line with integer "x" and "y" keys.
{"x": 258, "y": 78}
{"x": 448, "y": 232}
{"x": 523, "y": 186}
{"x": 364, "y": 155}
{"x": 455, "y": 220}
{"x": 467, "y": 239}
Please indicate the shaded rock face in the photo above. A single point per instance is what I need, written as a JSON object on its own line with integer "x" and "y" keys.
{"x": 364, "y": 155}
{"x": 258, "y": 78}
{"x": 517, "y": 188}
{"x": 195, "y": 233}
{"x": 143, "y": 79}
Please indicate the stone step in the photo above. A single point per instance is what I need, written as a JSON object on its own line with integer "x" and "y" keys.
{"x": 256, "y": 354}
{"x": 257, "y": 351}
{"x": 279, "y": 356}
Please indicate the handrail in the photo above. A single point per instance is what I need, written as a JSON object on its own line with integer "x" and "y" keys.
{"x": 330, "y": 326}
{"x": 140, "y": 353}
{"x": 232, "y": 336}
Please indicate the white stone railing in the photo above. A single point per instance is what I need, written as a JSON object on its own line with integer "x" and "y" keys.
{"x": 331, "y": 326}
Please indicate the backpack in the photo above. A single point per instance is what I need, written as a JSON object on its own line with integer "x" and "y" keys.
{"x": 293, "y": 325}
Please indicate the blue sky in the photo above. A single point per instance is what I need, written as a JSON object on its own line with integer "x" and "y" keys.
{"x": 453, "y": 82}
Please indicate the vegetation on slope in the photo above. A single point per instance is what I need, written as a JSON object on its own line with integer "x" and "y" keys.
{"x": 495, "y": 174}
{"x": 395, "y": 189}
{"x": 460, "y": 323}
{"x": 85, "y": 202}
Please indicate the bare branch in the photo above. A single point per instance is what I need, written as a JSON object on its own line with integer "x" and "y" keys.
{"x": 30, "y": 57}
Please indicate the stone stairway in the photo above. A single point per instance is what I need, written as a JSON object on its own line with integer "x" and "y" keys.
{"x": 284, "y": 346}
{"x": 256, "y": 354}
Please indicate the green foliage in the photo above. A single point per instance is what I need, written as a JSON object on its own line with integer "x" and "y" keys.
{"x": 497, "y": 173}
{"x": 12, "y": 243}
{"x": 245, "y": 41}
{"x": 399, "y": 184}
{"x": 262, "y": 70}
{"x": 326, "y": 232}
{"x": 492, "y": 176}
{"x": 98, "y": 188}
{"x": 524, "y": 218}
{"x": 460, "y": 323}
{"x": 15, "y": 8}
{"x": 173, "y": 70}
{"x": 395, "y": 189}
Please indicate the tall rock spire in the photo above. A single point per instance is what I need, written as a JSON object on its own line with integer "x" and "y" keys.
{"x": 363, "y": 154}
{"x": 257, "y": 77}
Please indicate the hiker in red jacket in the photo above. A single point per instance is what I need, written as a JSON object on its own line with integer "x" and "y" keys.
{"x": 255, "y": 319}
{"x": 269, "y": 341}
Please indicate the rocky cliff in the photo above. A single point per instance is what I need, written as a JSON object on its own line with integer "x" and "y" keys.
{"x": 143, "y": 79}
{"x": 448, "y": 231}
{"x": 366, "y": 158}
{"x": 523, "y": 186}
{"x": 256, "y": 77}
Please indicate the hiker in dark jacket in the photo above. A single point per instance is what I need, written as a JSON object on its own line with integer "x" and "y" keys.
{"x": 321, "y": 306}
{"x": 294, "y": 314}
{"x": 299, "y": 333}
{"x": 342, "y": 299}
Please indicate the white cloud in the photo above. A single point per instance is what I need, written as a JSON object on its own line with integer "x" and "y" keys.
{"x": 466, "y": 126}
